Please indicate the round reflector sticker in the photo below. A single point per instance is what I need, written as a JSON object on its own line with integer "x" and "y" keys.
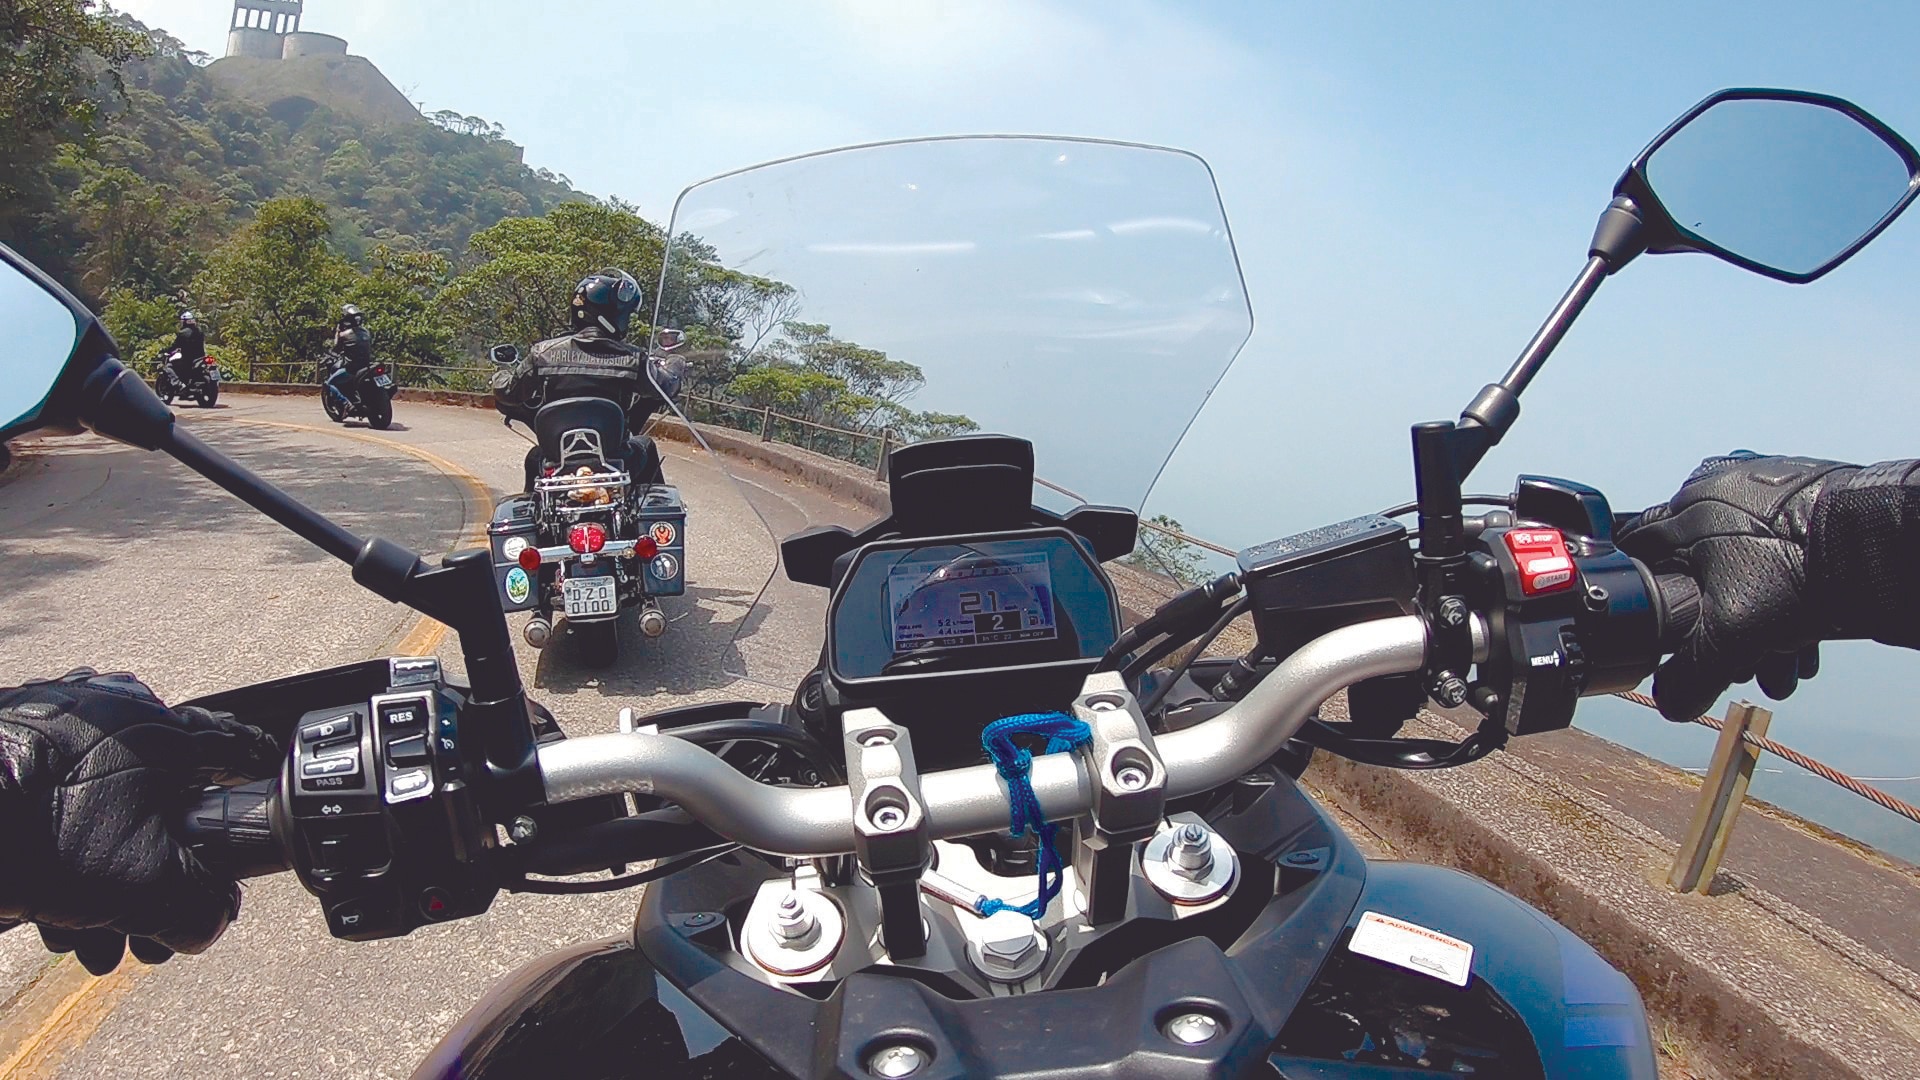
{"x": 518, "y": 587}
{"x": 663, "y": 533}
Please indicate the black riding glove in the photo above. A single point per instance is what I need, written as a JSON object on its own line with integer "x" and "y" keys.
{"x": 1787, "y": 552}
{"x": 90, "y": 767}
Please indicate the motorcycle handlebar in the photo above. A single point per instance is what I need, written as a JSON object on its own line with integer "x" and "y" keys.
{"x": 230, "y": 830}
{"x": 1678, "y": 598}
{"x": 810, "y": 822}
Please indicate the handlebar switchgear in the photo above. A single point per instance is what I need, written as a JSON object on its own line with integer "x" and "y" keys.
{"x": 372, "y": 810}
{"x": 1570, "y": 614}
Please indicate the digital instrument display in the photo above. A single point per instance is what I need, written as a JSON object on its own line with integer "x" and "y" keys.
{"x": 971, "y": 600}
{"x": 910, "y": 610}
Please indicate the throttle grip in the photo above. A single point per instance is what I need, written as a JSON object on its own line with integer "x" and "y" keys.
{"x": 1677, "y": 598}
{"x": 230, "y": 830}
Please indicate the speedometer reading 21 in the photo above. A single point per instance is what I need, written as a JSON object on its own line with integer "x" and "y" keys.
{"x": 972, "y": 600}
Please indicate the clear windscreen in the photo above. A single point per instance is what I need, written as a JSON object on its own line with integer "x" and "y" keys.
{"x": 1081, "y": 295}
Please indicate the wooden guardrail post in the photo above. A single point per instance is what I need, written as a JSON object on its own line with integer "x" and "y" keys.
{"x": 1724, "y": 790}
{"x": 766, "y": 424}
{"x": 886, "y": 447}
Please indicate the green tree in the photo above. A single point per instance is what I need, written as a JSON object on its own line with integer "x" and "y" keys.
{"x": 52, "y": 54}
{"x": 274, "y": 286}
{"x": 1170, "y": 556}
{"x": 141, "y": 327}
{"x": 133, "y": 234}
{"x": 520, "y": 287}
{"x": 867, "y": 373}
{"x": 809, "y": 395}
{"x": 397, "y": 296}
{"x": 351, "y": 171}
{"x": 913, "y": 426}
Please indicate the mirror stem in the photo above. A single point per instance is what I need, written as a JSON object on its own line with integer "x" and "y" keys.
{"x": 189, "y": 450}
{"x": 1557, "y": 324}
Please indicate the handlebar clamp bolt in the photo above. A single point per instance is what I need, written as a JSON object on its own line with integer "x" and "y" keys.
{"x": 523, "y": 830}
{"x": 889, "y": 818}
{"x": 1010, "y": 950}
{"x": 1131, "y": 777}
{"x": 1453, "y": 611}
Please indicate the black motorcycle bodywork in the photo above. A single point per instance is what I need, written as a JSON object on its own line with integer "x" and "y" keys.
{"x": 1273, "y": 966}
{"x": 200, "y": 382}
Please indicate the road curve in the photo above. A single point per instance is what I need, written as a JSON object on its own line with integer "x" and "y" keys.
{"x": 120, "y": 559}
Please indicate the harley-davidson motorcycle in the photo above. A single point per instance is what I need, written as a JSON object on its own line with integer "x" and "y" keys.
{"x": 590, "y": 541}
{"x": 995, "y": 829}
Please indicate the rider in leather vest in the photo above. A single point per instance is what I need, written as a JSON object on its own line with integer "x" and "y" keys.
{"x": 595, "y": 360}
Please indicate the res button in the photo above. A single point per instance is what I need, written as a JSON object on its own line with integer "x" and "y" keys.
{"x": 403, "y": 714}
{"x": 1542, "y": 559}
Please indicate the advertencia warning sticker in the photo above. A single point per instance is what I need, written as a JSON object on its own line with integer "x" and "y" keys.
{"x": 1413, "y": 947}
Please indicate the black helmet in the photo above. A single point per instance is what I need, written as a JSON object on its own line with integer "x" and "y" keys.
{"x": 350, "y": 316}
{"x": 606, "y": 300}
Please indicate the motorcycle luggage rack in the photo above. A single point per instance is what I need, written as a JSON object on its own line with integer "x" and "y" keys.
{"x": 614, "y": 480}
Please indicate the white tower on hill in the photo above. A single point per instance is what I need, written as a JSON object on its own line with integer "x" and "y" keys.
{"x": 270, "y": 30}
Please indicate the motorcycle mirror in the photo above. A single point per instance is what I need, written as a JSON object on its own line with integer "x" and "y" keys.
{"x": 1780, "y": 182}
{"x": 1785, "y": 183}
{"x": 505, "y": 355}
{"x": 47, "y": 326}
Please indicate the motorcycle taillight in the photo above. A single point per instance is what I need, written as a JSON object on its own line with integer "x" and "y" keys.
{"x": 587, "y": 539}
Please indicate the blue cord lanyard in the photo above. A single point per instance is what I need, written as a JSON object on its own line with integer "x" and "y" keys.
{"x": 1015, "y": 765}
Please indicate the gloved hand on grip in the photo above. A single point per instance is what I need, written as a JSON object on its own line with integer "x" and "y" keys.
{"x": 91, "y": 766}
{"x": 1787, "y": 552}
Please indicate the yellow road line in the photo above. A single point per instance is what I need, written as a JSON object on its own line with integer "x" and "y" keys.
{"x": 426, "y": 634}
{"x": 74, "y": 1020}
{"x": 71, "y": 1022}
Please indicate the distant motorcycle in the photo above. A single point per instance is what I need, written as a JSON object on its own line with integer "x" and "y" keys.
{"x": 201, "y": 382}
{"x": 368, "y": 395}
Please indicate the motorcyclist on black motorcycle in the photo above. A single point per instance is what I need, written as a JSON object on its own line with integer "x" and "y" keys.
{"x": 595, "y": 360}
{"x": 354, "y": 342}
{"x": 1787, "y": 552}
{"x": 189, "y": 348}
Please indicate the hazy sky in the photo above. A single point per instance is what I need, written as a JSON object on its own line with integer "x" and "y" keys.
{"x": 1411, "y": 187}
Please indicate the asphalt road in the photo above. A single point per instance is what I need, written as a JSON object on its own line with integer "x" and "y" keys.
{"x": 120, "y": 559}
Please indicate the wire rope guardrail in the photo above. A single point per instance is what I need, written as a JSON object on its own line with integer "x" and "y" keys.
{"x": 1818, "y": 768}
{"x": 1743, "y": 737}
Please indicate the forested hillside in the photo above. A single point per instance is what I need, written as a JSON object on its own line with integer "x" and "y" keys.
{"x": 162, "y": 164}
{"x": 150, "y": 183}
